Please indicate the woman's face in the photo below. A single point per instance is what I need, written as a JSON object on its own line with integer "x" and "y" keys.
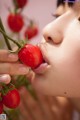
{"x": 61, "y": 49}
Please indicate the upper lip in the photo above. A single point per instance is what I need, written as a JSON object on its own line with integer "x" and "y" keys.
{"x": 43, "y": 67}
{"x": 45, "y": 58}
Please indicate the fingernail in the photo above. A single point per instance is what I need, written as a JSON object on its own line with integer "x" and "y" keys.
{"x": 12, "y": 56}
{"x": 23, "y": 70}
{"x": 4, "y": 78}
{"x": 32, "y": 77}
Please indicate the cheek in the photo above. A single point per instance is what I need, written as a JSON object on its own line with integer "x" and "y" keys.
{"x": 67, "y": 64}
{"x": 65, "y": 58}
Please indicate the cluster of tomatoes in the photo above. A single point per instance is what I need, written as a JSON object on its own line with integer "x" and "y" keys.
{"x": 29, "y": 55}
{"x": 16, "y": 21}
{"x": 9, "y": 97}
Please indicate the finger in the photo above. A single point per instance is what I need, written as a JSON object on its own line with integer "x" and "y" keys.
{"x": 31, "y": 104}
{"x": 23, "y": 112}
{"x": 22, "y": 106}
{"x": 13, "y": 69}
{"x": 45, "y": 104}
{"x": 30, "y": 75}
{"x": 7, "y": 56}
{"x": 5, "y": 78}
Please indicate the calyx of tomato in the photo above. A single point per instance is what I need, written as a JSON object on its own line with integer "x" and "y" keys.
{"x": 6, "y": 88}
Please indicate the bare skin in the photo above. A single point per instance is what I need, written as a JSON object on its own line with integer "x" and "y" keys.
{"x": 9, "y": 65}
{"x": 61, "y": 77}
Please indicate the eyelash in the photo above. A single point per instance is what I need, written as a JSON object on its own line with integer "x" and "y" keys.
{"x": 79, "y": 19}
{"x": 55, "y": 15}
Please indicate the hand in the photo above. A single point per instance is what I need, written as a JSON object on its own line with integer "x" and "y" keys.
{"x": 9, "y": 65}
{"x": 46, "y": 107}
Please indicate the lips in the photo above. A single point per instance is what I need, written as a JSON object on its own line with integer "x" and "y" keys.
{"x": 42, "y": 68}
{"x": 45, "y": 65}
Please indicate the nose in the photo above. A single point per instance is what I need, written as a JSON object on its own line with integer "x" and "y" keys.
{"x": 53, "y": 33}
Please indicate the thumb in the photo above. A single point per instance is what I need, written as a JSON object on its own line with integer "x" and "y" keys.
{"x": 5, "y": 78}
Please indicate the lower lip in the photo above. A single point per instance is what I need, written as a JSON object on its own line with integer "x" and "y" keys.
{"x": 42, "y": 68}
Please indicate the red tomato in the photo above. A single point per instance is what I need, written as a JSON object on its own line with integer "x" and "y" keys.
{"x": 30, "y": 55}
{"x": 15, "y": 22}
{"x": 31, "y": 31}
{"x": 11, "y": 99}
{"x": 21, "y": 3}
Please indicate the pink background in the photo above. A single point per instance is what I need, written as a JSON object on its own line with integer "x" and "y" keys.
{"x": 38, "y": 10}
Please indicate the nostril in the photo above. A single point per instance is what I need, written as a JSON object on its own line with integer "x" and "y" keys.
{"x": 55, "y": 40}
{"x": 49, "y": 38}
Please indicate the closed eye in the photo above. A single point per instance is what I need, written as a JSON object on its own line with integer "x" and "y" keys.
{"x": 56, "y": 15}
{"x": 79, "y": 19}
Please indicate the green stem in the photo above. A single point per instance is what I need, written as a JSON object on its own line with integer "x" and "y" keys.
{"x": 6, "y": 40}
{"x": 14, "y": 41}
